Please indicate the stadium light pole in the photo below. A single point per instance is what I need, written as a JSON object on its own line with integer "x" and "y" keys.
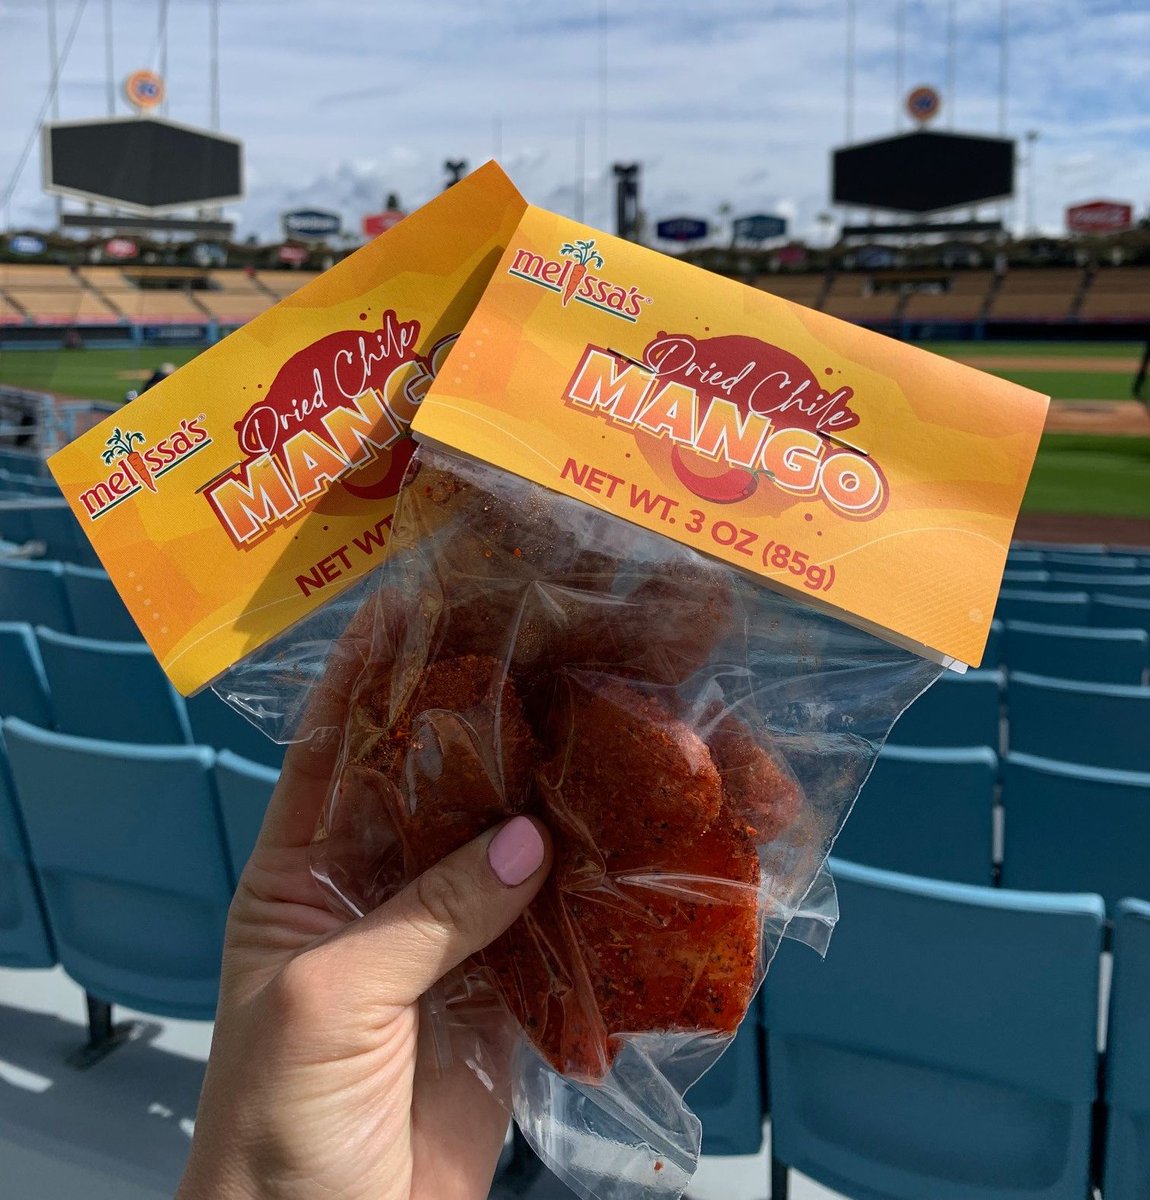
{"x": 580, "y": 166}
{"x": 1031, "y": 157}
{"x": 850, "y": 113}
{"x": 109, "y": 62}
{"x": 899, "y": 62}
{"x": 951, "y": 57}
{"x": 1003, "y": 64}
{"x": 214, "y": 60}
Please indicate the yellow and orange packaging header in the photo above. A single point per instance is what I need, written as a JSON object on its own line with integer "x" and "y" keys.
{"x": 828, "y": 460}
{"x": 233, "y": 499}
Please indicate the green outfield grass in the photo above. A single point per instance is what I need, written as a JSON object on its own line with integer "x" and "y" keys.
{"x": 1072, "y": 385}
{"x": 1062, "y": 349}
{"x": 87, "y": 374}
{"x": 1108, "y": 476}
{"x": 1059, "y": 385}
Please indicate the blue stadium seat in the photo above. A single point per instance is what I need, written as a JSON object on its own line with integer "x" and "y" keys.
{"x": 111, "y": 690}
{"x": 729, "y": 1098}
{"x": 926, "y": 812}
{"x": 33, "y": 486}
{"x": 1074, "y": 652}
{"x": 56, "y": 526}
{"x": 1092, "y": 724}
{"x": 1023, "y": 560}
{"x": 215, "y": 723}
{"x": 25, "y": 940}
{"x": 244, "y": 789}
{"x": 1092, "y": 563}
{"x": 128, "y": 844}
{"x": 1119, "y": 612}
{"x": 958, "y": 710}
{"x": 1029, "y": 578}
{"x": 1126, "y": 1174}
{"x": 1136, "y": 587}
{"x": 97, "y": 610}
{"x": 23, "y": 684}
{"x": 34, "y": 592}
{"x": 1064, "y": 547}
{"x": 15, "y": 524}
{"x": 946, "y": 1048}
{"x": 1075, "y": 829}
{"x": 1051, "y": 608}
{"x": 992, "y": 655}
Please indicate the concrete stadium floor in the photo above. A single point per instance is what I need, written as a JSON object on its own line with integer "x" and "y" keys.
{"x": 120, "y": 1130}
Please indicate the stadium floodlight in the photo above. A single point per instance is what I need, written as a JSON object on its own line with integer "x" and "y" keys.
{"x": 141, "y": 164}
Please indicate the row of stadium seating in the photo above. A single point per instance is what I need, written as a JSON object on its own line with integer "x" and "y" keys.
{"x": 56, "y": 295}
{"x": 973, "y": 1002}
{"x": 115, "y": 691}
{"x": 1024, "y": 822}
{"x": 1022, "y": 294}
{"x": 946, "y": 1016}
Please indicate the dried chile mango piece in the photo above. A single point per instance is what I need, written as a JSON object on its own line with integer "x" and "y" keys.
{"x": 758, "y": 787}
{"x": 626, "y": 772}
{"x": 677, "y": 618}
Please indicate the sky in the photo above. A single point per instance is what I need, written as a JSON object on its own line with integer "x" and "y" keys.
{"x": 729, "y": 105}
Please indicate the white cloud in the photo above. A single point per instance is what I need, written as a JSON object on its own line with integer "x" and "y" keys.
{"x": 724, "y": 101}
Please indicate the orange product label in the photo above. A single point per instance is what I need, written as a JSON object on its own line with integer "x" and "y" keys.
{"x": 828, "y": 460}
{"x": 235, "y": 497}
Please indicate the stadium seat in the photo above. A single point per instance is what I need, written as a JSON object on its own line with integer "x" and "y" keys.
{"x": 97, "y": 610}
{"x": 1062, "y": 547}
{"x": 1136, "y": 587}
{"x": 25, "y": 940}
{"x": 244, "y": 789}
{"x": 946, "y": 1047}
{"x": 56, "y": 526}
{"x": 1092, "y": 724}
{"x": 1072, "y": 829}
{"x": 15, "y": 525}
{"x": 1074, "y": 652}
{"x": 992, "y": 655}
{"x": 1126, "y": 1172}
{"x": 1119, "y": 612}
{"x": 729, "y": 1098}
{"x": 1087, "y": 563}
{"x": 1051, "y": 608}
{"x": 23, "y": 684}
{"x": 926, "y": 812}
{"x": 1029, "y": 578}
{"x": 111, "y": 690}
{"x": 959, "y": 710}
{"x": 34, "y": 592}
{"x": 1025, "y": 560}
{"x": 128, "y": 843}
{"x": 215, "y": 723}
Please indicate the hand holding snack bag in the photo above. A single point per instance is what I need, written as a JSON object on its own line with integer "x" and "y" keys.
{"x": 671, "y": 557}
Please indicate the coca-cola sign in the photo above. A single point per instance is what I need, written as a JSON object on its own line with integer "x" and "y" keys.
{"x": 1100, "y": 216}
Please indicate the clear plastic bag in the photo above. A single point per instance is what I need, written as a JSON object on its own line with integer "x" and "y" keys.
{"x": 693, "y": 739}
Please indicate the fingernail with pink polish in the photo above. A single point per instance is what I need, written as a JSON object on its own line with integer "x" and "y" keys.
{"x": 516, "y": 851}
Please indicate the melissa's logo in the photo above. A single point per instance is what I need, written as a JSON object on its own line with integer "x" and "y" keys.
{"x": 138, "y": 465}
{"x": 572, "y": 276}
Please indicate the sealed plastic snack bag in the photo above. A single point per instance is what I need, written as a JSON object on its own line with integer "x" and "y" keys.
{"x": 671, "y": 557}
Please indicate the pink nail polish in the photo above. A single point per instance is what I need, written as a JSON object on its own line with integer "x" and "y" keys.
{"x": 516, "y": 851}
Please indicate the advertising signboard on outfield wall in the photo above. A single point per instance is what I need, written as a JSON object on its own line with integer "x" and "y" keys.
{"x": 1100, "y": 216}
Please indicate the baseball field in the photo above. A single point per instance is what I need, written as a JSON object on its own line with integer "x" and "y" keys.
{"x": 1094, "y": 462}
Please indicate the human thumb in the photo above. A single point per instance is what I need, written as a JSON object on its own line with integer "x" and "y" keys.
{"x": 452, "y": 910}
